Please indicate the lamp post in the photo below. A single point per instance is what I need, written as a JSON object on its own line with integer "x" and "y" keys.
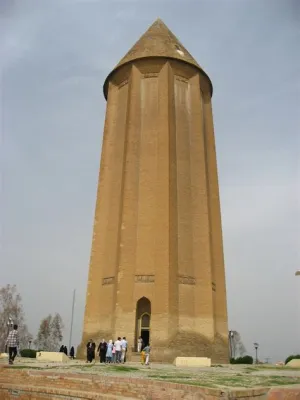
{"x": 230, "y": 336}
{"x": 256, "y": 345}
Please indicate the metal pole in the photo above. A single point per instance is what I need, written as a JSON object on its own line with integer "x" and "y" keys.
{"x": 256, "y": 345}
{"x": 230, "y": 345}
{"x": 72, "y": 317}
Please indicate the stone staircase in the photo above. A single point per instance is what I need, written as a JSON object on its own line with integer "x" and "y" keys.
{"x": 135, "y": 357}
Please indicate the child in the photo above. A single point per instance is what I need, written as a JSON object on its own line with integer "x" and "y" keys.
{"x": 143, "y": 357}
{"x": 114, "y": 353}
{"x": 146, "y": 351}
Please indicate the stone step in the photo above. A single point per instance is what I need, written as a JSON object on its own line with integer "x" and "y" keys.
{"x": 135, "y": 357}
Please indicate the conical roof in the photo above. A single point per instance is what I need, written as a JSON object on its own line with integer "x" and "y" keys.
{"x": 157, "y": 41}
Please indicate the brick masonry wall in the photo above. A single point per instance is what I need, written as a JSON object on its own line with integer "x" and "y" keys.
{"x": 37, "y": 385}
{"x": 158, "y": 116}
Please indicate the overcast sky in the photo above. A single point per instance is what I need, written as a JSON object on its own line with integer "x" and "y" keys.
{"x": 54, "y": 57}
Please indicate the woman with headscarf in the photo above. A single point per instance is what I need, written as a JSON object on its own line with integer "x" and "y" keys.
{"x": 72, "y": 353}
{"x": 102, "y": 350}
{"x": 90, "y": 351}
{"x": 109, "y": 353}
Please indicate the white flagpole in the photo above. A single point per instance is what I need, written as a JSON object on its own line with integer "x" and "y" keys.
{"x": 72, "y": 317}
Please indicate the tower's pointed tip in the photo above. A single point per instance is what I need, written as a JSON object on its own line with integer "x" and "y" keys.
{"x": 158, "y": 41}
{"x": 158, "y": 22}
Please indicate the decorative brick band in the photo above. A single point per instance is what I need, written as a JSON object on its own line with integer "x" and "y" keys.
{"x": 144, "y": 278}
{"x": 186, "y": 280}
{"x": 150, "y": 75}
{"x": 181, "y": 79}
{"x": 108, "y": 281}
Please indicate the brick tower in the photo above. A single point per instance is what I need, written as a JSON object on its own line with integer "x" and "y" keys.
{"x": 157, "y": 267}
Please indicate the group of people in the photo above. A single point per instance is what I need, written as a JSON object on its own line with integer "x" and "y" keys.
{"x": 115, "y": 352}
{"x": 64, "y": 349}
{"x": 109, "y": 352}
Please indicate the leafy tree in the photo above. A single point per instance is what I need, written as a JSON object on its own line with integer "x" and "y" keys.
{"x": 292, "y": 357}
{"x": 242, "y": 360}
{"x": 56, "y": 331}
{"x": 11, "y": 307}
{"x": 50, "y": 335}
{"x": 28, "y": 353}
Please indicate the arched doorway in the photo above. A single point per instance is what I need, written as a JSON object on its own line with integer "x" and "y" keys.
{"x": 143, "y": 318}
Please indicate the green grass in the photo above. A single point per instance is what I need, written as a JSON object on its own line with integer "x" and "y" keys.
{"x": 109, "y": 368}
{"x": 85, "y": 366}
{"x": 241, "y": 378}
{"x": 25, "y": 367}
{"x": 33, "y": 367}
{"x": 247, "y": 370}
{"x": 122, "y": 368}
{"x": 276, "y": 367}
{"x": 229, "y": 380}
{"x": 160, "y": 376}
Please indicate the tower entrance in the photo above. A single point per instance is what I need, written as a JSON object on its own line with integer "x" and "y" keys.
{"x": 143, "y": 318}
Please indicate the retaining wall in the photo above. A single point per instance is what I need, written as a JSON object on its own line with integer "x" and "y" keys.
{"x": 46, "y": 385}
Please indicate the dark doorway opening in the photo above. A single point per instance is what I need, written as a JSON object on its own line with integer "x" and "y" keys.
{"x": 145, "y": 333}
{"x": 143, "y": 317}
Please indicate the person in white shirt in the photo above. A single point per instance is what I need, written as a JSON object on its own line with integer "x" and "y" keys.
{"x": 118, "y": 346}
{"x": 139, "y": 344}
{"x": 124, "y": 349}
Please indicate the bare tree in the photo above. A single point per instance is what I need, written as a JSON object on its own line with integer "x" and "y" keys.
{"x": 44, "y": 340}
{"x": 241, "y": 349}
{"x": 50, "y": 335}
{"x": 237, "y": 346}
{"x": 11, "y": 309}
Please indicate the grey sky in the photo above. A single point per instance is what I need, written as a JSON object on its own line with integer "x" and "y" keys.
{"x": 54, "y": 57}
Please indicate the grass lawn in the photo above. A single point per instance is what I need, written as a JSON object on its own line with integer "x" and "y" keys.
{"x": 217, "y": 377}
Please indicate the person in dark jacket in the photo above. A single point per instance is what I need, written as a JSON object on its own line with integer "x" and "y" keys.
{"x": 62, "y": 347}
{"x": 90, "y": 351}
{"x": 72, "y": 353}
{"x": 66, "y": 350}
{"x": 102, "y": 351}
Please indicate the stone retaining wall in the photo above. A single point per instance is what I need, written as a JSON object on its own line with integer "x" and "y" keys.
{"x": 46, "y": 385}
